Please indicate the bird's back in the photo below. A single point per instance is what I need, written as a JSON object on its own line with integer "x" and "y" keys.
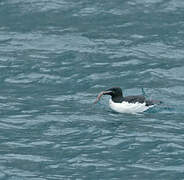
{"x": 134, "y": 99}
{"x": 140, "y": 99}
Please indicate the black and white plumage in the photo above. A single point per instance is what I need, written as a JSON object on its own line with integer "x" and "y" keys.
{"x": 127, "y": 104}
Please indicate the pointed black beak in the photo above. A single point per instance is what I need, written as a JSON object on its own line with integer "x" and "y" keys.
{"x": 107, "y": 92}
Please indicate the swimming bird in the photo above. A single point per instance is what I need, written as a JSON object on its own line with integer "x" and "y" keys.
{"x": 127, "y": 104}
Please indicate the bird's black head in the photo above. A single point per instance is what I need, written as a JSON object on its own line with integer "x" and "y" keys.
{"x": 115, "y": 92}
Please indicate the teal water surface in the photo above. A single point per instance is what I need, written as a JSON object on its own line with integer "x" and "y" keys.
{"x": 56, "y": 56}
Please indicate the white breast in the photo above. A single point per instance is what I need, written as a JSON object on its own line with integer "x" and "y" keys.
{"x": 126, "y": 107}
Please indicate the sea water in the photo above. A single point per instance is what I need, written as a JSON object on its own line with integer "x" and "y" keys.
{"x": 56, "y": 56}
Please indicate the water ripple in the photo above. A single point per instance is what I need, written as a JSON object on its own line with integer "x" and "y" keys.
{"x": 56, "y": 56}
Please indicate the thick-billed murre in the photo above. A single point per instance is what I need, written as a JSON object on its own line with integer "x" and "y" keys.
{"x": 127, "y": 104}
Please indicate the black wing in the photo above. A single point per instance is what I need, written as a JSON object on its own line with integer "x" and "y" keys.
{"x": 134, "y": 99}
{"x": 140, "y": 99}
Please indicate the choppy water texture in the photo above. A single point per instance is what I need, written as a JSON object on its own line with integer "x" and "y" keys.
{"x": 56, "y": 56}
